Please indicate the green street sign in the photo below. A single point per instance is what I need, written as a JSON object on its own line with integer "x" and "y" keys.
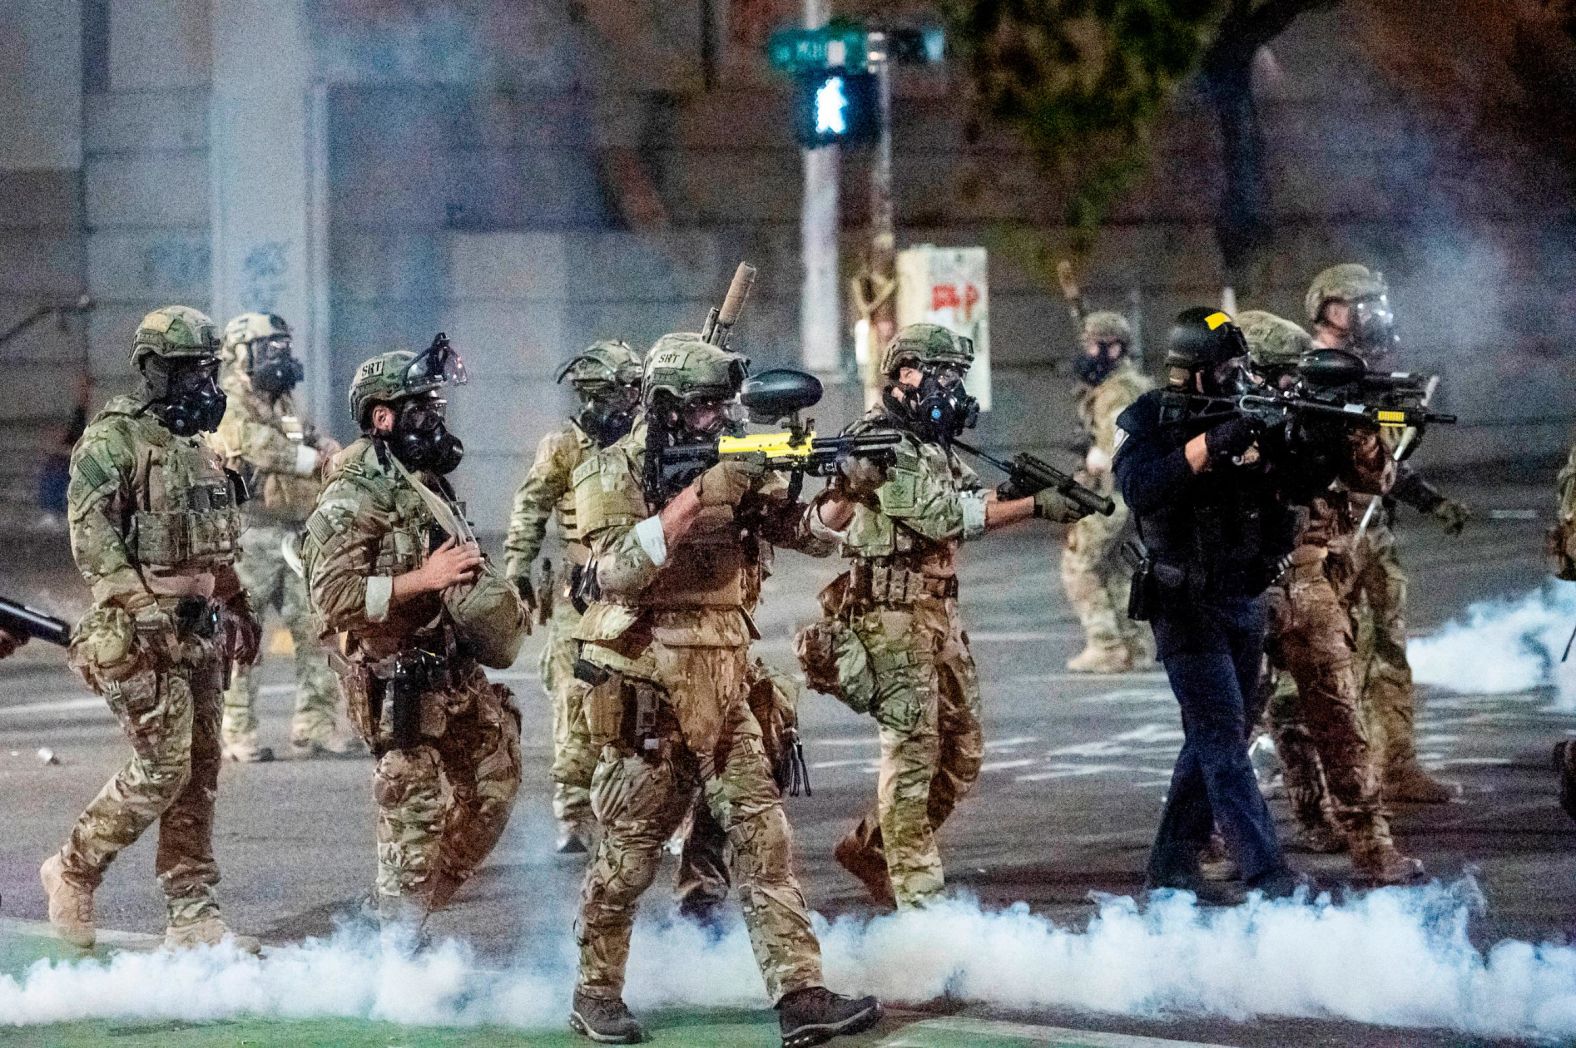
{"x": 838, "y": 45}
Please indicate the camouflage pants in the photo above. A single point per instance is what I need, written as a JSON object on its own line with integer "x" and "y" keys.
{"x": 272, "y": 585}
{"x": 443, "y": 804}
{"x": 1096, "y": 581}
{"x": 928, "y": 708}
{"x": 573, "y": 757}
{"x": 700, "y": 883}
{"x": 170, "y": 713}
{"x": 712, "y": 743}
{"x": 1311, "y": 641}
{"x": 1378, "y": 605}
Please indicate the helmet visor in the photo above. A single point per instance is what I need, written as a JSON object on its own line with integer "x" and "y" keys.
{"x": 1373, "y": 325}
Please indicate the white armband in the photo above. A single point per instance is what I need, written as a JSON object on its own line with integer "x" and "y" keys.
{"x": 306, "y": 461}
{"x": 380, "y": 591}
{"x": 649, "y": 534}
{"x": 973, "y": 503}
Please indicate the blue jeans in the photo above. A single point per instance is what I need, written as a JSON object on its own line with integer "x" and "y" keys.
{"x": 1213, "y": 784}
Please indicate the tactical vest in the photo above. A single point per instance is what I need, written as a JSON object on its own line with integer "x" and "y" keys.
{"x": 277, "y": 497}
{"x": 187, "y": 515}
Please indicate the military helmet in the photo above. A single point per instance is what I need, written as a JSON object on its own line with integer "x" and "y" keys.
{"x": 610, "y": 362}
{"x": 686, "y": 367}
{"x": 1203, "y": 338}
{"x": 393, "y": 376}
{"x": 249, "y": 327}
{"x": 173, "y": 332}
{"x": 1105, "y": 324}
{"x": 1273, "y": 342}
{"x": 926, "y": 344}
{"x": 1348, "y": 282}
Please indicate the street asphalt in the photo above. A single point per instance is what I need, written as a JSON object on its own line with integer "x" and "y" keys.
{"x": 1065, "y": 808}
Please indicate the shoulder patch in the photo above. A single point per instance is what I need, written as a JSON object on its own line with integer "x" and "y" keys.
{"x": 321, "y": 530}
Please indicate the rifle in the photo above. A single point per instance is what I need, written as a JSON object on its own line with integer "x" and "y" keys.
{"x": 776, "y": 396}
{"x": 1029, "y": 475}
{"x": 23, "y": 621}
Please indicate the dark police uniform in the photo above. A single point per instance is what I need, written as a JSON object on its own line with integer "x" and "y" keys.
{"x": 1215, "y": 540}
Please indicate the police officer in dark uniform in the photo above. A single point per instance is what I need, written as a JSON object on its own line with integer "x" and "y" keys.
{"x": 1210, "y": 491}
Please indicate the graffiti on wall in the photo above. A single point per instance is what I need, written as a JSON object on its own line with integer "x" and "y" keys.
{"x": 264, "y": 276}
{"x": 175, "y": 264}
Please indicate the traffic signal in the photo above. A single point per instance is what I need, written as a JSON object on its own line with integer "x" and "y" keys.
{"x": 835, "y": 107}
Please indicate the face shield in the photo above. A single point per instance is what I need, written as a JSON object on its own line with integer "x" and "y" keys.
{"x": 1372, "y": 327}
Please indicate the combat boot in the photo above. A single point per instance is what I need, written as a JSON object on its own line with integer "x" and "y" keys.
{"x": 1565, "y": 767}
{"x": 70, "y": 904}
{"x": 333, "y": 746}
{"x": 1377, "y": 861}
{"x": 1101, "y": 660}
{"x": 867, "y": 867}
{"x": 1320, "y": 838}
{"x": 605, "y": 1020}
{"x": 814, "y": 1015}
{"x": 210, "y": 931}
{"x": 573, "y": 839}
{"x": 245, "y": 750}
{"x": 1410, "y": 784}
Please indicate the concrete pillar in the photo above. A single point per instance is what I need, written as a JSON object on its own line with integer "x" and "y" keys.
{"x": 265, "y": 159}
{"x": 41, "y": 85}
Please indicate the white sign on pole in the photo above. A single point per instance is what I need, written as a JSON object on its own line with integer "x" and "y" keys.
{"x": 949, "y": 286}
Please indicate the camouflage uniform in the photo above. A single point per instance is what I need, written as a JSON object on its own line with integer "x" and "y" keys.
{"x": 547, "y": 492}
{"x": 900, "y": 599}
{"x": 1378, "y": 592}
{"x": 674, "y": 635}
{"x": 154, "y": 524}
{"x": 444, "y": 786}
{"x": 263, "y": 439}
{"x": 1317, "y": 726}
{"x": 1094, "y": 575}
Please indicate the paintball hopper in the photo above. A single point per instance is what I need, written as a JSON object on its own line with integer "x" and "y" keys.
{"x": 1331, "y": 368}
{"x": 779, "y": 394}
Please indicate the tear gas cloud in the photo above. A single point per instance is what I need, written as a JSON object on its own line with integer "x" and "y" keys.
{"x": 1397, "y": 957}
{"x": 1504, "y": 646}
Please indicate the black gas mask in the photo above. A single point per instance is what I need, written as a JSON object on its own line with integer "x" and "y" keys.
{"x": 184, "y": 394}
{"x": 1094, "y": 368}
{"x": 606, "y": 414}
{"x": 941, "y": 407}
{"x": 271, "y": 367}
{"x": 421, "y": 438}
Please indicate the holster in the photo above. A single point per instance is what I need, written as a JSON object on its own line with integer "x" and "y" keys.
{"x": 622, "y": 711}
{"x": 1141, "y": 593}
{"x": 415, "y": 672}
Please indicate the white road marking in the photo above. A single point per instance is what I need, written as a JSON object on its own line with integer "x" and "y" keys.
{"x": 959, "y": 1029}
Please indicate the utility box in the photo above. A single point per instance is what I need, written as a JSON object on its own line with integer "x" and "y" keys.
{"x": 949, "y": 286}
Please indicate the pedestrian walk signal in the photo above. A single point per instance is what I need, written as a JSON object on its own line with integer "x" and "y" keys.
{"x": 835, "y": 107}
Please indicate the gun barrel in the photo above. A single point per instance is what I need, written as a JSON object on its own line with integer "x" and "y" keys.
{"x": 30, "y": 622}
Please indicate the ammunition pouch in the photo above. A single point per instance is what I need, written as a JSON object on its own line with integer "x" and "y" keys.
{"x": 624, "y": 711}
{"x": 105, "y": 649}
{"x": 835, "y": 663}
{"x": 875, "y": 582}
{"x": 175, "y": 538}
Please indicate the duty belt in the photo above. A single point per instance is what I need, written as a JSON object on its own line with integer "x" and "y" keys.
{"x": 890, "y": 584}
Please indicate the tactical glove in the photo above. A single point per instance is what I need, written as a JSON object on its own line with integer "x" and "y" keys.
{"x": 1453, "y": 514}
{"x": 1230, "y": 440}
{"x": 1052, "y": 505}
{"x": 726, "y": 483}
{"x": 522, "y": 585}
{"x": 243, "y": 634}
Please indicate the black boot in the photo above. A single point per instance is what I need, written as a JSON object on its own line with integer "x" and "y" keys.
{"x": 815, "y": 1015}
{"x": 604, "y": 1020}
